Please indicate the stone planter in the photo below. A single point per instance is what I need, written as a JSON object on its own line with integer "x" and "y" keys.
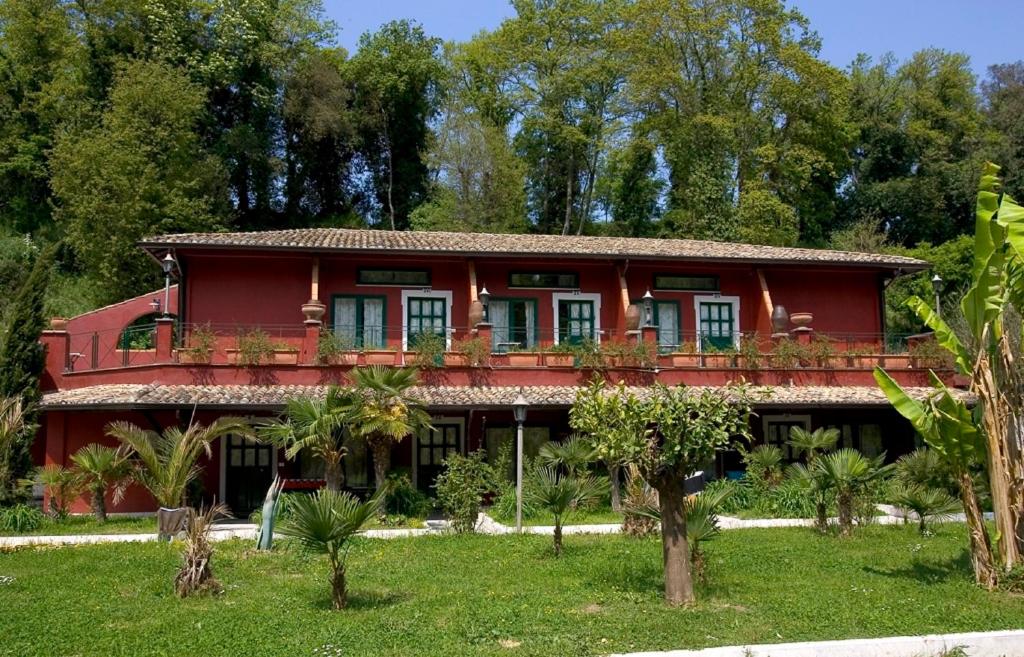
{"x": 455, "y": 359}
{"x": 280, "y": 357}
{"x": 863, "y": 361}
{"x": 718, "y": 361}
{"x": 314, "y": 310}
{"x": 190, "y": 357}
{"x": 379, "y": 357}
{"x": 171, "y": 522}
{"x": 522, "y": 359}
{"x": 683, "y": 360}
{"x": 559, "y": 360}
{"x": 801, "y": 320}
{"x": 346, "y": 359}
{"x": 895, "y": 361}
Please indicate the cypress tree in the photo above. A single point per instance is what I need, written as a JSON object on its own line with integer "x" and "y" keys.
{"x": 22, "y": 360}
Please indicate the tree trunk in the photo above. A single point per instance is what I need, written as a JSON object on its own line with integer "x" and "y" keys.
{"x": 821, "y": 516}
{"x": 675, "y": 548}
{"x": 381, "y": 462}
{"x": 845, "y": 503}
{"x": 339, "y": 596}
{"x": 333, "y": 476}
{"x": 699, "y": 571}
{"x": 558, "y": 537}
{"x": 99, "y": 502}
{"x": 615, "y": 474}
{"x": 981, "y": 547}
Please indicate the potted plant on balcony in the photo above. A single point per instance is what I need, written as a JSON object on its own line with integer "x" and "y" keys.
{"x": 719, "y": 358}
{"x": 749, "y": 355}
{"x": 334, "y": 349}
{"x": 861, "y": 358}
{"x": 519, "y": 357}
{"x": 589, "y": 355}
{"x": 255, "y": 348}
{"x": 685, "y": 356}
{"x": 823, "y": 352}
{"x": 469, "y": 352}
{"x": 929, "y": 354}
{"x": 202, "y": 343}
{"x": 560, "y": 355}
{"x": 428, "y": 351}
{"x": 789, "y": 354}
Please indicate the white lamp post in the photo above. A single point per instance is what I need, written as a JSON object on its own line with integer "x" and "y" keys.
{"x": 168, "y": 264}
{"x": 648, "y": 300}
{"x": 937, "y": 287}
{"x": 519, "y": 412}
{"x": 485, "y": 299}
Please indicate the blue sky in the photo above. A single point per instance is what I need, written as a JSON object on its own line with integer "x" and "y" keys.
{"x": 846, "y": 26}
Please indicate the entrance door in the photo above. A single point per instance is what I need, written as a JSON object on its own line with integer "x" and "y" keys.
{"x": 575, "y": 321}
{"x": 248, "y": 472}
{"x": 716, "y": 322}
{"x": 432, "y": 448}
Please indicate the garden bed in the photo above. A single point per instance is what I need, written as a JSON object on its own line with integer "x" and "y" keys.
{"x": 485, "y": 595}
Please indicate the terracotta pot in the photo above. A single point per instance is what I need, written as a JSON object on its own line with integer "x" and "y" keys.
{"x": 379, "y": 357}
{"x": 801, "y": 319}
{"x": 454, "y": 359}
{"x": 559, "y": 360}
{"x": 314, "y": 310}
{"x": 189, "y": 357}
{"x": 895, "y": 361}
{"x": 718, "y": 361}
{"x": 780, "y": 319}
{"x": 286, "y": 358}
{"x": 59, "y": 324}
{"x": 633, "y": 315}
{"x": 522, "y": 359}
{"x": 476, "y": 313}
{"x": 348, "y": 358}
{"x": 684, "y": 360}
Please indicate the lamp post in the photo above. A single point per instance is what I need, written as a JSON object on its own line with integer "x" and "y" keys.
{"x": 168, "y": 264}
{"x": 936, "y": 288}
{"x": 485, "y": 297}
{"x": 519, "y": 413}
{"x": 648, "y": 300}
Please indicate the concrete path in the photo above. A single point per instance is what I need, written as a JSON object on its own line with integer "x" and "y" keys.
{"x": 1008, "y": 643}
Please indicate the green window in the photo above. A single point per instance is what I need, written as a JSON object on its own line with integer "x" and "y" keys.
{"x": 575, "y": 321}
{"x": 426, "y": 315}
{"x": 716, "y": 326}
{"x": 359, "y": 320}
{"x": 514, "y": 323}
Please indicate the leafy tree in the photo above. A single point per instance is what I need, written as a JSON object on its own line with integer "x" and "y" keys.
{"x": 461, "y": 487}
{"x": 318, "y": 426}
{"x": 631, "y": 188}
{"x": 141, "y": 171}
{"x": 560, "y": 494}
{"x": 398, "y": 74}
{"x": 388, "y": 412}
{"x": 682, "y": 429}
{"x": 325, "y": 522}
{"x": 1003, "y": 97}
{"x": 101, "y": 469}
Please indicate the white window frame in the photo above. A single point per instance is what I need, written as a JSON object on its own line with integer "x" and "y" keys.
{"x": 787, "y": 418}
{"x": 594, "y": 297}
{"x": 717, "y": 298}
{"x": 436, "y": 421}
{"x": 427, "y": 294}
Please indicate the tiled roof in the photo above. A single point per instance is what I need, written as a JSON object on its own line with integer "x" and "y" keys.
{"x": 273, "y": 397}
{"x": 420, "y": 242}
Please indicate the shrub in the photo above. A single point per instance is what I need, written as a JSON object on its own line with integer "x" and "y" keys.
{"x": 404, "y": 499}
{"x": 20, "y": 518}
{"x": 476, "y": 350}
{"x": 461, "y": 488}
{"x": 789, "y": 354}
{"x": 255, "y": 348}
{"x": 330, "y": 345}
{"x": 202, "y": 342}
{"x": 429, "y": 348}
{"x": 764, "y": 464}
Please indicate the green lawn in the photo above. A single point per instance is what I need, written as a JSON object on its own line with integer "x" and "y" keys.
{"x": 89, "y": 525}
{"x": 599, "y": 516}
{"x": 478, "y": 595}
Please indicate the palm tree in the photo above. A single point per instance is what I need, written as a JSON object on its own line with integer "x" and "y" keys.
{"x": 561, "y": 494}
{"x": 574, "y": 454}
{"x": 925, "y": 467}
{"x": 316, "y": 425}
{"x": 62, "y": 486}
{"x": 168, "y": 461}
{"x": 195, "y": 574}
{"x": 101, "y": 468}
{"x": 387, "y": 412}
{"x": 847, "y": 472}
{"x": 764, "y": 462}
{"x": 927, "y": 503}
{"x": 325, "y": 522}
{"x": 12, "y": 429}
{"x": 813, "y": 480}
{"x": 813, "y": 443}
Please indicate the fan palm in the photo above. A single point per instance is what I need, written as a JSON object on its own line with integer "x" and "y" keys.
{"x": 62, "y": 486}
{"x": 561, "y": 494}
{"x": 924, "y": 467}
{"x": 764, "y": 462}
{"x": 927, "y": 503}
{"x": 813, "y": 443}
{"x": 325, "y": 522}
{"x": 813, "y": 480}
{"x": 573, "y": 454}
{"x": 847, "y": 472}
{"x": 12, "y": 430}
{"x": 386, "y": 412}
{"x": 168, "y": 461}
{"x": 101, "y": 468}
{"x": 316, "y": 425}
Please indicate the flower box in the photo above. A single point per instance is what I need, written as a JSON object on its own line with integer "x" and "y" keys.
{"x": 280, "y": 357}
{"x": 683, "y": 360}
{"x": 559, "y": 360}
{"x": 348, "y": 359}
{"x": 192, "y": 357}
{"x": 522, "y": 359}
{"x": 379, "y": 357}
{"x": 895, "y": 361}
{"x": 863, "y": 361}
{"x": 718, "y": 361}
{"x": 455, "y": 359}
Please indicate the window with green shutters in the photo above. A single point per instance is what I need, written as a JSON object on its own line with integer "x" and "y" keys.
{"x": 716, "y": 321}
{"x": 360, "y": 320}
{"x": 575, "y": 321}
{"x": 426, "y": 315}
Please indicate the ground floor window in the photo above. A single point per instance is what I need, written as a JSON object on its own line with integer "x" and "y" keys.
{"x": 497, "y": 437}
{"x": 778, "y": 430}
{"x": 432, "y": 447}
{"x": 867, "y": 438}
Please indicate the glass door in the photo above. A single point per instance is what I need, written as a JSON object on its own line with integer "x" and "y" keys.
{"x": 433, "y": 446}
{"x": 575, "y": 321}
{"x": 716, "y": 326}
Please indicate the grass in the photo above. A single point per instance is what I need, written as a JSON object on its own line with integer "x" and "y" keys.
{"x": 600, "y": 516}
{"x": 479, "y": 595}
{"x": 88, "y": 525}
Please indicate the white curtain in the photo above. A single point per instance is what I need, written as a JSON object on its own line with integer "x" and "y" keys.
{"x": 497, "y": 314}
{"x": 373, "y": 322}
{"x": 345, "y": 319}
{"x": 668, "y": 325}
{"x": 531, "y": 325}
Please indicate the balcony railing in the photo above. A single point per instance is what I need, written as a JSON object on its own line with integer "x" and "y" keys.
{"x": 576, "y": 346}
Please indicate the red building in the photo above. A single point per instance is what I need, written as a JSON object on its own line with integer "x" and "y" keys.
{"x": 707, "y": 320}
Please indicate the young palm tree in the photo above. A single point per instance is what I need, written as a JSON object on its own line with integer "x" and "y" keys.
{"x": 847, "y": 472}
{"x": 387, "y": 412}
{"x": 195, "y": 574}
{"x": 168, "y": 461}
{"x": 103, "y": 468}
{"x": 813, "y": 480}
{"x": 924, "y": 467}
{"x": 574, "y": 455}
{"x": 63, "y": 486}
{"x": 927, "y": 503}
{"x": 561, "y": 494}
{"x": 764, "y": 462}
{"x": 316, "y": 425}
{"x": 813, "y": 443}
{"x": 325, "y": 522}
{"x": 12, "y": 428}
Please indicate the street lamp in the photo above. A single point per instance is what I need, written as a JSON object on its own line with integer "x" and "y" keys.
{"x": 648, "y": 300}
{"x": 937, "y": 287}
{"x": 168, "y": 264}
{"x": 485, "y": 298}
{"x": 519, "y": 413}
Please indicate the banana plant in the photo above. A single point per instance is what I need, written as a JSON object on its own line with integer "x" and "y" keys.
{"x": 951, "y": 430}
